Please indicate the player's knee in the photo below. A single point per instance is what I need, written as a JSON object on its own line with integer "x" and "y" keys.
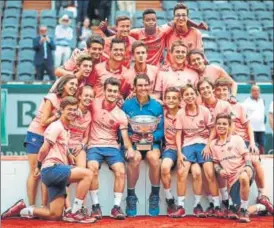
{"x": 196, "y": 175}
{"x": 120, "y": 173}
{"x": 181, "y": 174}
{"x": 243, "y": 178}
{"x": 153, "y": 160}
{"x": 55, "y": 215}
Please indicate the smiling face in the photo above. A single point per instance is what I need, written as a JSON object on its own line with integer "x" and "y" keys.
{"x": 112, "y": 93}
{"x": 96, "y": 51}
{"x": 172, "y": 100}
{"x": 140, "y": 54}
{"x": 123, "y": 28}
{"x": 142, "y": 88}
{"x": 197, "y": 62}
{"x": 71, "y": 87}
{"x": 85, "y": 67}
{"x": 206, "y": 90}
{"x": 222, "y": 92}
{"x": 222, "y": 126}
{"x": 181, "y": 17}
{"x": 117, "y": 52}
{"x": 179, "y": 54}
{"x": 87, "y": 96}
{"x": 69, "y": 112}
{"x": 189, "y": 96}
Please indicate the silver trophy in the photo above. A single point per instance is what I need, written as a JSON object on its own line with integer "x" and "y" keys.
{"x": 144, "y": 125}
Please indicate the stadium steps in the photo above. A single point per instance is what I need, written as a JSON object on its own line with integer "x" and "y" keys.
{"x": 142, "y": 5}
{"x": 37, "y": 5}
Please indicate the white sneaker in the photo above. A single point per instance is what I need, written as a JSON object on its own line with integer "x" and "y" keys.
{"x": 27, "y": 212}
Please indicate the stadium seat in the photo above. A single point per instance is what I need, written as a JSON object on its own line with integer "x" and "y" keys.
{"x": 8, "y": 55}
{"x": 257, "y": 6}
{"x": 161, "y": 15}
{"x": 264, "y": 45}
{"x": 240, "y": 35}
{"x": 169, "y": 15}
{"x": 215, "y": 58}
{"x": 49, "y": 22}
{"x": 26, "y": 44}
{"x": 192, "y": 5}
{"x": 260, "y": 36}
{"x": 48, "y": 14}
{"x": 229, "y": 15}
{"x": 265, "y": 16}
{"x": 161, "y": 22}
{"x": 223, "y": 6}
{"x": 268, "y": 26}
{"x": 240, "y": 73}
{"x": 14, "y": 4}
{"x": 210, "y": 45}
{"x": 246, "y": 45}
{"x": 10, "y": 25}
{"x": 10, "y": 33}
{"x": 25, "y": 56}
{"x": 222, "y": 35}
{"x": 269, "y": 5}
{"x": 10, "y": 20}
{"x": 7, "y": 71}
{"x": 217, "y": 26}
{"x": 268, "y": 58}
{"x": 240, "y": 5}
{"x": 122, "y": 13}
{"x": 254, "y": 58}
{"x": 247, "y": 16}
{"x": 28, "y": 33}
{"x": 233, "y": 57}
{"x": 197, "y": 15}
{"x": 138, "y": 15}
{"x": 212, "y": 16}
{"x": 261, "y": 72}
{"x": 206, "y": 6}
{"x": 29, "y": 23}
{"x": 29, "y": 14}
{"x": 12, "y": 13}
{"x": 137, "y": 24}
{"x": 253, "y": 26}
{"x": 234, "y": 25}
{"x": 51, "y": 31}
{"x": 167, "y": 5}
{"x": 8, "y": 44}
{"x": 227, "y": 46}
{"x": 25, "y": 71}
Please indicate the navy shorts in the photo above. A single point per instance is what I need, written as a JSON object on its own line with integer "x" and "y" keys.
{"x": 33, "y": 142}
{"x": 56, "y": 179}
{"x": 110, "y": 154}
{"x": 235, "y": 191}
{"x": 144, "y": 153}
{"x": 259, "y": 137}
{"x": 193, "y": 153}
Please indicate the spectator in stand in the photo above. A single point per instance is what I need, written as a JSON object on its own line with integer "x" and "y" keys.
{"x": 61, "y": 4}
{"x": 82, "y": 10}
{"x": 63, "y": 39}
{"x": 43, "y": 46}
{"x": 127, "y": 6}
{"x": 85, "y": 33}
{"x": 104, "y": 9}
{"x": 254, "y": 108}
{"x": 271, "y": 116}
{"x": 72, "y": 7}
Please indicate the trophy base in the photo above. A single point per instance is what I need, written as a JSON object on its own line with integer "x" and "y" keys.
{"x": 143, "y": 146}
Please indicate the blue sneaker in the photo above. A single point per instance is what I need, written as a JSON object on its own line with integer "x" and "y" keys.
{"x": 154, "y": 208}
{"x": 131, "y": 208}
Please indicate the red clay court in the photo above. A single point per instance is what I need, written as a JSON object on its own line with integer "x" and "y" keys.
{"x": 146, "y": 222}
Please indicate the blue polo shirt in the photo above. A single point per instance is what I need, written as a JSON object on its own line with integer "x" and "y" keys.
{"x": 153, "y": 108}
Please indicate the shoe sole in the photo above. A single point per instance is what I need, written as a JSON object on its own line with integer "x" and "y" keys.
{"x": 118, "y": 217}
{"x": 200, "y": 216}
{"x": 244, "y": 221}
{"x": 233, "y": 217}
{"x": 3, "y": 214}
{"x": 182, "y": 216}
{"x": 74, "y": 221}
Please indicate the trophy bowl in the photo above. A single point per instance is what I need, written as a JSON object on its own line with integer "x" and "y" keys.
{"x": 144, "y": 124}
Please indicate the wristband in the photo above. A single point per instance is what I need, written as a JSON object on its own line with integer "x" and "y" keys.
{"x": 39, "y": 165}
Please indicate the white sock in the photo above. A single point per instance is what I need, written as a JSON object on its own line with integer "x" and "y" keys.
{"x": 230, "y": 202}
{"x": 31, "y": 209}
{"x": 260, "y": 207}
{"x": 77, "y": 205}
{"x": 260, "y": 191}
{"x": 197, "y": 200}
{"x": 94, "y": 197}
{"x": 210, "y": 199}
{"x": 216, "y": 201}
{"x": 117, "y": 198}
{"x": 168, "y": 193}
{"x": 69, "y": 208}
{"x": 181, "y": 201}
{"x": 224, "y": 193}
{"x": 244, "y": 204}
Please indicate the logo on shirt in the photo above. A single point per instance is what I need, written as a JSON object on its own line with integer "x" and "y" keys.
{"x": 111, "y": 122}
{"x": 33, "y": 139}
{"x": 229, "y": 148}
{"x": 201, "y": 122}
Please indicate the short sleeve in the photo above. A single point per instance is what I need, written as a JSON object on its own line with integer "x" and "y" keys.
{"x": 241, "y": 146}
{"x": 159, "y": 82}
{"x": 135, "y": 33}
{"x": 213, "y": 152}
{"x": 52, "y": 97}
{"x": 123, "y": 121}
{"x": 178, "y": 121}
{"x": 52, "y": 132}
{"x": 199, "y": 41}
{"x": 243, "y": 116}
{"x": 166, "y": 29}
{"x": 70, "y": 64}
